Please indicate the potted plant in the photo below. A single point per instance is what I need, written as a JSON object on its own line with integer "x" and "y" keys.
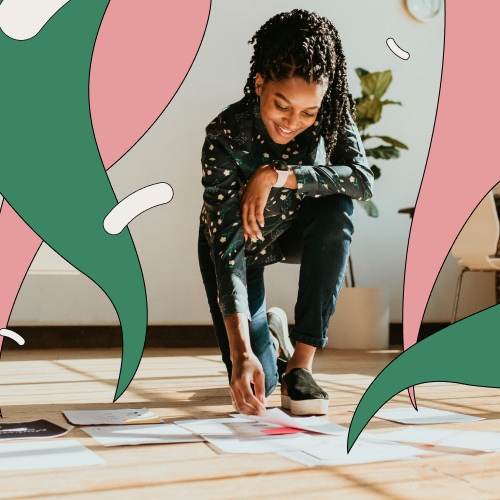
{"x": 369, "y": 111}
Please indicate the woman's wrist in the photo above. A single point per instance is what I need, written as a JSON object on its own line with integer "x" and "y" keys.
{"x": 238, "y": 335}
{"x": 291, "y": 182}
{"x": 271, "y": 174}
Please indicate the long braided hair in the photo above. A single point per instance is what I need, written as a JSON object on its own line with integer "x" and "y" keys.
{"x": 302, "y": 44}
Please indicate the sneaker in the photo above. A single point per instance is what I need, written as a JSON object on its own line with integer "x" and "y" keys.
{"x": 278, "y": 326}
{"x": 302, "y": 395}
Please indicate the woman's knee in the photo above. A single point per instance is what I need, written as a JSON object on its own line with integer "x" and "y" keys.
{"x": 331, "y": 219}
{"x": 337, "y": 208}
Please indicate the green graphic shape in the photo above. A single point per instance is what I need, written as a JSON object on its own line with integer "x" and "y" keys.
{"x": 465, "y": 352}
{"x": 50, "y": 169}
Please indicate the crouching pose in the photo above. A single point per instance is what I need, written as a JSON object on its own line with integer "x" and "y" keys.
{"x": 280, "y": 169}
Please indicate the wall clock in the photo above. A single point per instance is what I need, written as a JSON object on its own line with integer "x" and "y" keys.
{"x": 424, "y": 10}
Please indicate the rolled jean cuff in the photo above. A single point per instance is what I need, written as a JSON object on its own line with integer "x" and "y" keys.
{"x": 307, "y": 339}
{"x": 271, "y": 386}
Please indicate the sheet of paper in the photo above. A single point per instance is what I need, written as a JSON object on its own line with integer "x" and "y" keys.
{"x": 35, "y": 429}
{"x": 112, "y": 417}
{"x": 410, "y": 416}
{"x": 60, "y": 453}
{"x": 306, "y": 459}
{"x": 267, "y": 444}
{"x": 473, "y": 440}
{"x": 335, "y": 452}
{"x": 226, "y": 426}
{"x": 123, "y": 435}
{"x": 312, "y": 424}
{"x": 421, "y": 435}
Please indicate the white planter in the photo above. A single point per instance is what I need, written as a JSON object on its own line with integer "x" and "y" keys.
{"x": 361, "y": 320}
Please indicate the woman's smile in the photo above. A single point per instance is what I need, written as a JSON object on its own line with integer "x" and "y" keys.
{"x": 285, "y": 132}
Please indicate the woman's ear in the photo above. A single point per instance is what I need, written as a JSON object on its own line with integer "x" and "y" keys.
{"x": 259, "y": 83}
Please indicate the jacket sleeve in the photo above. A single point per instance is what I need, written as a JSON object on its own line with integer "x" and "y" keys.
{"x": 348, "y": 172}
{"x": 221, "y": 218}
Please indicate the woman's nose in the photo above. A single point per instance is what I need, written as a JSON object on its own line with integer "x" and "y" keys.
{"x": 293, "y": 121}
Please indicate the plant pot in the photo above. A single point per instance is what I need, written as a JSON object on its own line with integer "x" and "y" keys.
{"x": 361, "y": 320}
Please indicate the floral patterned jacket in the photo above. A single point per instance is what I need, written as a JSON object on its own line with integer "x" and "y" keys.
{"x": 236, "y": 143}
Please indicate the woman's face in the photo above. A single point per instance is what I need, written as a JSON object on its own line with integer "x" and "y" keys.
{"x": 289, "y": 107}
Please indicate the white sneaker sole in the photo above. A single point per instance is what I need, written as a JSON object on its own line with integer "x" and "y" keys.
{"x": 305, "y": 407}
{"x": 284, "y": 321}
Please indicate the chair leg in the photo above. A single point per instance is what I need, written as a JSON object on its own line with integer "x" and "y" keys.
{"x": 457, "y": 294}
{"x": 351, "y": 272}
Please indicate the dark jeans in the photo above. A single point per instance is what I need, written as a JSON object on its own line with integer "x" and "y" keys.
{"x": 318, "y": 240}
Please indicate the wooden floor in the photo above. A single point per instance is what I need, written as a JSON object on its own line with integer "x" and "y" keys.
{"x": 192, "y": 383}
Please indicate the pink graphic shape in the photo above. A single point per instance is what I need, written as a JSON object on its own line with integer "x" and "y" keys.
{"x": 18, "y": 246}
{"x": 141, "y": 57}
{"x": 462, "y": 166}
{"x": 142, "y": 54}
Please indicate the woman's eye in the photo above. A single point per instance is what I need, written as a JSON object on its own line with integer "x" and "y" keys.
{"x": 281, "y": 108}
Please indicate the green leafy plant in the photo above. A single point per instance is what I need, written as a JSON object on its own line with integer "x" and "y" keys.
{"x": 369, "y": 111}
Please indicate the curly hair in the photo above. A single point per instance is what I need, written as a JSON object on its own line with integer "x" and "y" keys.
{"x": 302, "y": 44}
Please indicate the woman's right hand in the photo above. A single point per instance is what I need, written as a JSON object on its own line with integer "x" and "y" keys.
{"x": 247, "y": 370}
{"x": 254, "y": 199}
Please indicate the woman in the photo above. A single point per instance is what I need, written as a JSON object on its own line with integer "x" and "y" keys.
{"x": 280, "y": 169}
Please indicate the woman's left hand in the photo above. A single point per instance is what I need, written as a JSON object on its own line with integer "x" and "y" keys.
{"x": 254, "y": 199}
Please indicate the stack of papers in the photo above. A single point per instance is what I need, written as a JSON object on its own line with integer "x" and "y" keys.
{"x": 242, "y": 435}
{"x": 314, "y": 441}
{"x": 112, "y": 417}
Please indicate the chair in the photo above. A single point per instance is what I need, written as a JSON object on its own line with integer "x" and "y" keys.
{"x": 477, "y": 241}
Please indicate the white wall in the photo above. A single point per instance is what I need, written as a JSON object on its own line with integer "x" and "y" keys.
{"x": 166, "y": 236}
